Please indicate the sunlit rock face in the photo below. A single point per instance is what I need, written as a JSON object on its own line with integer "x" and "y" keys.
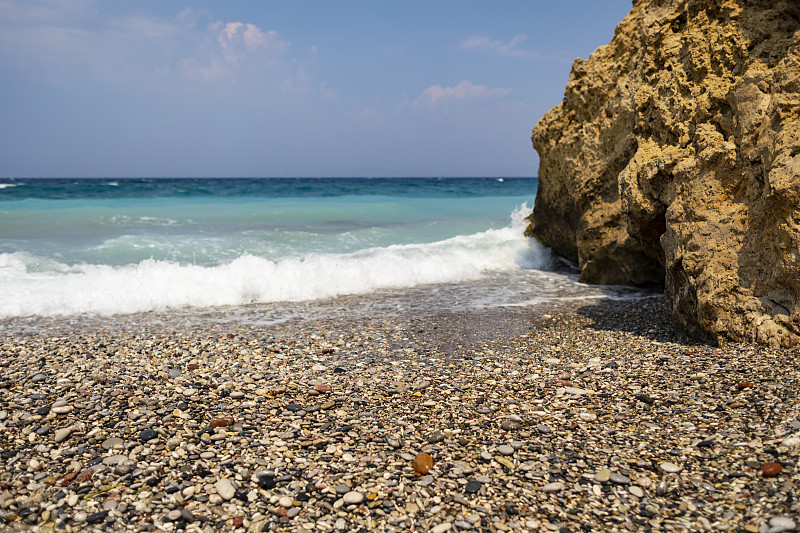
{"x": 674, "y": 159}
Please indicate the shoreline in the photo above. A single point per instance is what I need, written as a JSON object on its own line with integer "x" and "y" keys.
{"x": 563, "y": 416}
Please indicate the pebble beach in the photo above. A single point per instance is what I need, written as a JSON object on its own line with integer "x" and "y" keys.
{"x": 592, "y": 415}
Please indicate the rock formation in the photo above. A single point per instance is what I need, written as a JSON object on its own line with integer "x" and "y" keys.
{"x": 674, "y": 158}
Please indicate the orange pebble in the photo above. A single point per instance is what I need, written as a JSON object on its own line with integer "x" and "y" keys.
{"x": 422, "y": 463}
{"x": 771, "y": 469}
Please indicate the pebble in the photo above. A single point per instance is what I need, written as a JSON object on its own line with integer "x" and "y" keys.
{"x": 422, "y": 463}
{"x": 148, "y": 435}
{"x": 441, "y": 528}
{"x": 619, "y": 479}
{"x": 553, "y": 487}
{"x": 286, "y": 501}
{"x": 505, "y": 449}
{"x": 473, "y": 486}
{"x": 62, "y": 434}
{"x": 670, "y": 467}
{"x": 603, "y": 475}
{"x": 353, "y": 497}
{"x": 111, "y": 442}
{"x": 771, "y": 469}
{"x": 61, "y": 409}
{"x": 376, "y": 422}
{"x": 225, "y": 488}
{"x": 780, "y": 524}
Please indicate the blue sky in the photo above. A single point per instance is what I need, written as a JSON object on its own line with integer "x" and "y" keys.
{"x": 294, "y": 88}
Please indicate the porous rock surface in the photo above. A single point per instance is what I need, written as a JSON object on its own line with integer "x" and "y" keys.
{"x": 674, "y": 159}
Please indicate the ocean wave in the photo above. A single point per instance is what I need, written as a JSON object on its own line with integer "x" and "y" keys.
{"x": 35, "y": 286}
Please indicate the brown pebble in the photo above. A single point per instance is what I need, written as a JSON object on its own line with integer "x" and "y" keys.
{"x": 222, "y": 422}
{"x": 422, "y": 463}
{"x": 86, "y": 475}
{"x": 231, "y": 336}
{"x": 193, "y": 366}
{"x": 67, "y": 479}
{"x": 238, "y": 521}
{"x": 771, "y": 469}
{"x": 744, "y": 385}
{"x": 323, "y": 388}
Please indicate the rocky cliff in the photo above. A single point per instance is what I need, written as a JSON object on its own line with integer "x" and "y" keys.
{"x": 674, "y": 159}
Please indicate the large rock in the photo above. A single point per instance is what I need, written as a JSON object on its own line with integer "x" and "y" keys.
{"x": 675, "y": 159}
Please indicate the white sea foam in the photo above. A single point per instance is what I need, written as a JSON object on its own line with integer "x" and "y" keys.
{"x": 7, "y": 185}
{"x": 33, "y": 286}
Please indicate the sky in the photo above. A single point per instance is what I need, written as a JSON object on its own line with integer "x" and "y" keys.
{"x": 164, "y": 88}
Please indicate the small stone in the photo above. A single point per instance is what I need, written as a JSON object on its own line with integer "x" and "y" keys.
{"x": 771, "y": 469}
{"x": 575, "y": 391}
{"x": 111, "y": 442}
{"x": 147, "y": 435}
{"x": 791, "y": 442}
{"x": 267, "y": 482}
{"x": 174, "y": 515}
{"x": 85, "y": 475}
{"x": 587, "y": 416}
{"x": 222, "y": 422}
{"x": 505, "y": 449}
{"x": 441, "y": 528}
{"x": 436, "y": 436}
{"x": 636, "y": 491}
{"x": 780, "y": 524}
{"x": 353, "y": 497}
{"x": 62, "y": 434}
{"x": 38, "y": 378}
{"x": 671, "y": 468}
{"x": 286, "y": 501}
{"x": 645, "y": 399}
{"x": 189, "y": 392}
{"x": 603, "y": 475}
{"x": 510, "y": 425}
{"x": 225, "y": 488}
{"x": 473, "y": 486}
{"x": 174, "y": 373}
{"x": 422, "y": 463}
{"x": 62, "y": 409}
{"x": 619, "y": 479}
{"x": 553, "y": 487}
{"x": 96, "y": 518}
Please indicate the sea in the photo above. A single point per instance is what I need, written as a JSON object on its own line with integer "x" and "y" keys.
{"x": 254, "y": 249}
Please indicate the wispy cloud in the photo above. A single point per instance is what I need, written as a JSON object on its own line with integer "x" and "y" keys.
{"x": 464, "y": 90}
{"x": 499, "y": 48}
{"x": 238, "y": 38}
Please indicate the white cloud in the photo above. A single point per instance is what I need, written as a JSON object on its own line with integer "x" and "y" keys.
{"x": 490, "y": 46}
{"x": 234, "y": 36}
{"x": 464, "y": 90}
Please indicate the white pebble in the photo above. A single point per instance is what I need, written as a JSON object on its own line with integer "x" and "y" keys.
{"x": 441, "y": 528}
{"x": 285, "y": 501}
{"x": 225, "y": 488}
{"x": 670, "y": 467}
{"x": 353, "y": 497}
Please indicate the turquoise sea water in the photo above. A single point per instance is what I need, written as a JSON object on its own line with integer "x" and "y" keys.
{"x": 109, "y": 246}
